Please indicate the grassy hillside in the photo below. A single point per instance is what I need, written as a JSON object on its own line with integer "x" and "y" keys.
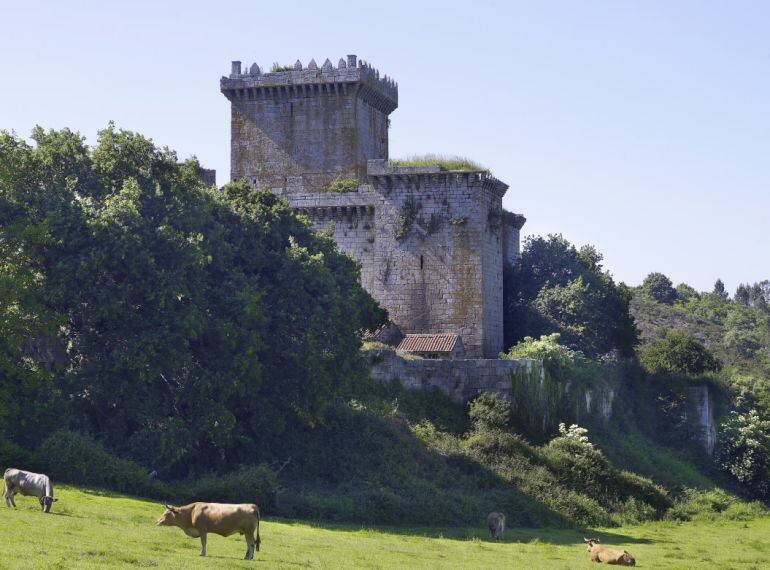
{"x": 91, "y": 529}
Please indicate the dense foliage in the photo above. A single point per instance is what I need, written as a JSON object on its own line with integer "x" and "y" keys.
{"x": 678, "y": 353}
{"x": 659, "y": 287}
{"x": 150, "y": 323}
{"x": 557, "y": 288}
{"x": 183, "y": 326}
{"x": 745, "y": 450}
{"x": 703, "y": 332}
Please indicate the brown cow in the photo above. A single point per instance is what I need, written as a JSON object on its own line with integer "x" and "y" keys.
{"x": 199, "y": 519}
{"x": 496, "y": 525}
{"x": 607, "y": 555}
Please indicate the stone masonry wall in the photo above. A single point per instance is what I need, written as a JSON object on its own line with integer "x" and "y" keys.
{"x": 427, "y": 250}
{"x": 538, "y": 402}
{"x": 303, "y": 128}
{"x": 437, "y": 262}
{"x": 430, "y": 242}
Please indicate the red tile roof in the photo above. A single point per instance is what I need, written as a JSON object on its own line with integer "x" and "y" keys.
{"x": 441, "y": 342}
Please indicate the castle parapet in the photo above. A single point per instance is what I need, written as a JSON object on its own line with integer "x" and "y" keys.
{"x": 381, "y": 174}
{"x": 252, "y": 83}
{"x": 516, "y": 221}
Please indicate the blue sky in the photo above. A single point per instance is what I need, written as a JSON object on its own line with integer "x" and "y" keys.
{"x": 642, "y": 128}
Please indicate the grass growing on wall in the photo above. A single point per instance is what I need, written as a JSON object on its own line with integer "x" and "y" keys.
{"x": 448, "y": 162}
{"x": 341, "y": 185}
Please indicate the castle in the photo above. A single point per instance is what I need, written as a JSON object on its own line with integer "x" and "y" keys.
{"x": 431, "y": 242}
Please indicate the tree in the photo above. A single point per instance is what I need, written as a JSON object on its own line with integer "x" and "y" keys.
{"x": 659, "y": 287}
{"x": 557, "y": 288}
{"x": 199, "y": 324}
{"x": 742, "y": 295}
{"x": 719, "y": 289}
{"x": 685, "y": 293}
{"x": 678, "y": 353}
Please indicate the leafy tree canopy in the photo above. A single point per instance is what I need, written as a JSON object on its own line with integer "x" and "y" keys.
{"x": 558, "y": 288}
{"x": 193, "y": 324}
{"x": 678, "y": 353}
{"x": 659, "y": 287}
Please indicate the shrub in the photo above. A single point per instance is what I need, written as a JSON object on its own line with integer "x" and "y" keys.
{"x": 744, "y": 450}
{"x": 694, "y": 504}
{"x": 12, "y": 455}
{"x": 343, "y": 185}
{"x": 257, "y": 484}
{"x": 557, "y": 358}
{"x": 489, "y": 412}
{"x": 678, "y": 353}
{"x": 277, "y": 67}
{"x": 76, "y": 458}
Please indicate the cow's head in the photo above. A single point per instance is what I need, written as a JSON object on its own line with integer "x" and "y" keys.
{"x": 46, "y": 503}
{"x": 168, "y": 518}
{"x": 590, "y": 542}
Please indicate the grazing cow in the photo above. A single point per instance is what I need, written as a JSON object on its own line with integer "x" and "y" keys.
{"x": 31, "y": 484}
{"x": 496, "y": 525}
{"x": 199, "y": 519}
{"x": 606, "y": 555}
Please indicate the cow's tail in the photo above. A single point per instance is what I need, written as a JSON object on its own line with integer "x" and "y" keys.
{"x": 257, "y": 540}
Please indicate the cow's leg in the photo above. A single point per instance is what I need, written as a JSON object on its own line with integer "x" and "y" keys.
{"x": 12, "y": 497}
{"x": 249, "y": 544}
{"x": 203, "y": 542}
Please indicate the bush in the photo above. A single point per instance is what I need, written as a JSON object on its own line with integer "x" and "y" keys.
{"x": 76, "y": 458}
{"x": 12, "y": 455}
{"x": 694, "y": 504}
{"x": 489, "y": 412}
{"x": 256, "y": 484}
{"x": 659, "y": 287}
{"x": 581, "y": 466}
{"x": 744, "y": 451}
{"x": 678, "y": 353}
{"x": 343, "y": 185}
{"x": 547, "y": 348}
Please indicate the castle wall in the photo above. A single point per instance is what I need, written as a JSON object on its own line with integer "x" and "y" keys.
{"x": 431, "y": 243}
{"x": 274, "y": 142}
{"x": 303, "y": 128}
{"x": 428, "y": 247}
{"x": 538, "y": 401}
{"x": 511, "y": 230}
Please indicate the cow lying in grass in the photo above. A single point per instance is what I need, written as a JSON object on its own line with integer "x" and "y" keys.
{"x": 606, "y": 555}
{"x": 199, "y": 519}
{"x": 30, "y": 484}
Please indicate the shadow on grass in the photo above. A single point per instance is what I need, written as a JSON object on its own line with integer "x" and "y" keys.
{"x": 555, "y": 536}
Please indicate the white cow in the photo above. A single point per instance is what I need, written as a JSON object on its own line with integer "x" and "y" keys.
{"x": 31, "y": 484}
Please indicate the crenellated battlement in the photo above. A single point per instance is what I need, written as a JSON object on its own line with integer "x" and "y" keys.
{"x": 251, "y": 83}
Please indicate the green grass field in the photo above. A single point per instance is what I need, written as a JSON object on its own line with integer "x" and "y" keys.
{"x": 90, "y": 529}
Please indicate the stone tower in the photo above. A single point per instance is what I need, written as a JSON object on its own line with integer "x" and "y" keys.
{"x": 304, "y": 128}
{"x": 431, "y": 242}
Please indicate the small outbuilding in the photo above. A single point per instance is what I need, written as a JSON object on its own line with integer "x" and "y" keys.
{"x": 447, "y": 346}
